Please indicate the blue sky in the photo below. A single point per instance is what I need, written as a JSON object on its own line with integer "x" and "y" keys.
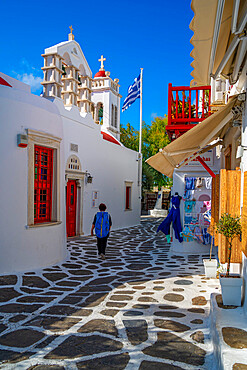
{"x": 131, "y": 34}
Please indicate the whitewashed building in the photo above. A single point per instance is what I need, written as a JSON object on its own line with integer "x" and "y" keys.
{"x": 60, "y": 158}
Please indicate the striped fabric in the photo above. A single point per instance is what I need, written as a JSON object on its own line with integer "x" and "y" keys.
{"x": 133, "y": 93}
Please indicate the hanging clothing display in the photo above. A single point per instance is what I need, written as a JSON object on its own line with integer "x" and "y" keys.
{"x": 187, "y": 218}
{"x": 208, "y": 182}
{"x": 187, "y": 234}
{"x": 198, "y": 234}
{"x": 174, "y": 218}
{"x": 207, "y": 204}
{"x": 206, "y": 236}
{"x": 194, "y": 220}
{"x": 207, "y": 215}
{"x": 197, "y": 209}
{"x": 188, "y": 194}
{"x": 190, "y": 183}
{"x": 199, "y": 182}
{"x": 189, "y": 206}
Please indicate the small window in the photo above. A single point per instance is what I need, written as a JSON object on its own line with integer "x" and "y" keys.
{"x": 115, "y": 120}
{"x": 112, "y": 115}
{"x": 100, "y": 112}
{"x": 73, "y": 163}
{"x": 43, "y": 172}
{"x": 128, "y": 197}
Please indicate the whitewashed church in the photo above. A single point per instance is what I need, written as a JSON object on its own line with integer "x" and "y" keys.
{"x": 60, "y": 157}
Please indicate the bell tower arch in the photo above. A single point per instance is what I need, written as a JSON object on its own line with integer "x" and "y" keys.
{"x": 106, "y": 99}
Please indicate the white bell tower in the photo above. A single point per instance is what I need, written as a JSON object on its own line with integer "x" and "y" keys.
{"x": 106, "y": 100}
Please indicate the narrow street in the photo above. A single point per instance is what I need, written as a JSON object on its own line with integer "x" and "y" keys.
{"x": 141, "y": 308}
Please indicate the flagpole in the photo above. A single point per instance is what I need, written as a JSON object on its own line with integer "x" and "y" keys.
{"x": 140, "y": 137}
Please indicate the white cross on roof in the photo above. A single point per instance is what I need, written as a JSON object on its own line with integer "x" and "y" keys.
{"x": 102, "y": 59}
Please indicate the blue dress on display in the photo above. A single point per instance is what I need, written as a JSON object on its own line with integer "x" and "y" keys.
{"x": 174, "y": 218}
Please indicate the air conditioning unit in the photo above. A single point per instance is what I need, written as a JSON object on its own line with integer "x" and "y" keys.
{"x": 219, "y": 91}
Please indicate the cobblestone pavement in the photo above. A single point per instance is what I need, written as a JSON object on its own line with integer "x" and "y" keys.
{"x": 141, "y": 308}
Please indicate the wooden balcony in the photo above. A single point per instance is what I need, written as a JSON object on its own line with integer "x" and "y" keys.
{"x": 187, "y": 106}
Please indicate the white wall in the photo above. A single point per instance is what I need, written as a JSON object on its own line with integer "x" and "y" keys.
{"x": 22, "y": 248}
{"x": 16, "y": 84}
{"x": 109, "y": 164}
{"x": 25, "y": 248}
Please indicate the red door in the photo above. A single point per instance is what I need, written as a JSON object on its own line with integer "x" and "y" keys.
{"x": 71, "y": 208}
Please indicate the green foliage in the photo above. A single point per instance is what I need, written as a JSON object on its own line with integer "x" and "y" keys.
{"x": 154, "y": 137}
{"x": 231, "y": 228}
{"x": 129, "y": 137}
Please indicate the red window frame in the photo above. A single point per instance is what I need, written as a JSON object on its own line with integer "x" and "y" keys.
{"x": 128, "y": 196}
{"x": 43, "y": 175}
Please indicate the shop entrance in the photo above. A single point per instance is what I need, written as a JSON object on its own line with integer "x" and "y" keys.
{"x": 71, "y": 196}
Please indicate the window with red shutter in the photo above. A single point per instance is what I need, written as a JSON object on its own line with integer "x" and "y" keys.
{"x": 43, "y": 172}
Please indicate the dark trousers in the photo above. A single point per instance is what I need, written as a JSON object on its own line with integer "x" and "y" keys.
{"x": 101, "y": 244}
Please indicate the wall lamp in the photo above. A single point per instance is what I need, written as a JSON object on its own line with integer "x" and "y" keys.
{"x": 89, "y": 178}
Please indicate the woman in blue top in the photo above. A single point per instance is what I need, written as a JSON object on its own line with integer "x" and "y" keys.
{"x": 102, "y": 224}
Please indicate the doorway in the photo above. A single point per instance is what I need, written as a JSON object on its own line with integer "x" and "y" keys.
{"x": 71, "y": 198}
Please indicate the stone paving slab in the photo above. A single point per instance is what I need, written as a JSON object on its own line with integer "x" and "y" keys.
{"x": 143, "y": 307}
{"x": 229, "y": 331}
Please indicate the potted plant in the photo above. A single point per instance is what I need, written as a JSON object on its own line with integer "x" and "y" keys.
{"x": 231, "y": 285}
{"x": 211, "y": 264}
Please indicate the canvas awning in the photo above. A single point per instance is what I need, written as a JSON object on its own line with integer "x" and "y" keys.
{"x": 202, "y": 25}
{"x": 193, "y": 142}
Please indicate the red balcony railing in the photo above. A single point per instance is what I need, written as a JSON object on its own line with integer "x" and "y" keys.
{"x": 187, "y": 106}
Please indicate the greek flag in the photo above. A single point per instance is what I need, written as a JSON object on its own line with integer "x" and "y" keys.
{"x": 133, "y": 93}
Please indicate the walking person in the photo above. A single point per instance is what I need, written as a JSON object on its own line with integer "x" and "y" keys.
{"x": 102, "y": 225}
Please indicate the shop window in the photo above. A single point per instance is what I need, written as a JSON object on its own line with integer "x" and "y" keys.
{"x": 43, "y": 166}
{"x": 197, "y": 209}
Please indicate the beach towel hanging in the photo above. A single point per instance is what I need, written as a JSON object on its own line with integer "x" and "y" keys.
{"x": 187, "y": 234}
{"x": 189, "y": 206}
{"x": 198, "y": 234}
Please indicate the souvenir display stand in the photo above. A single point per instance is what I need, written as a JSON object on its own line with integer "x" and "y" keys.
{"x": 193, "y": 184}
